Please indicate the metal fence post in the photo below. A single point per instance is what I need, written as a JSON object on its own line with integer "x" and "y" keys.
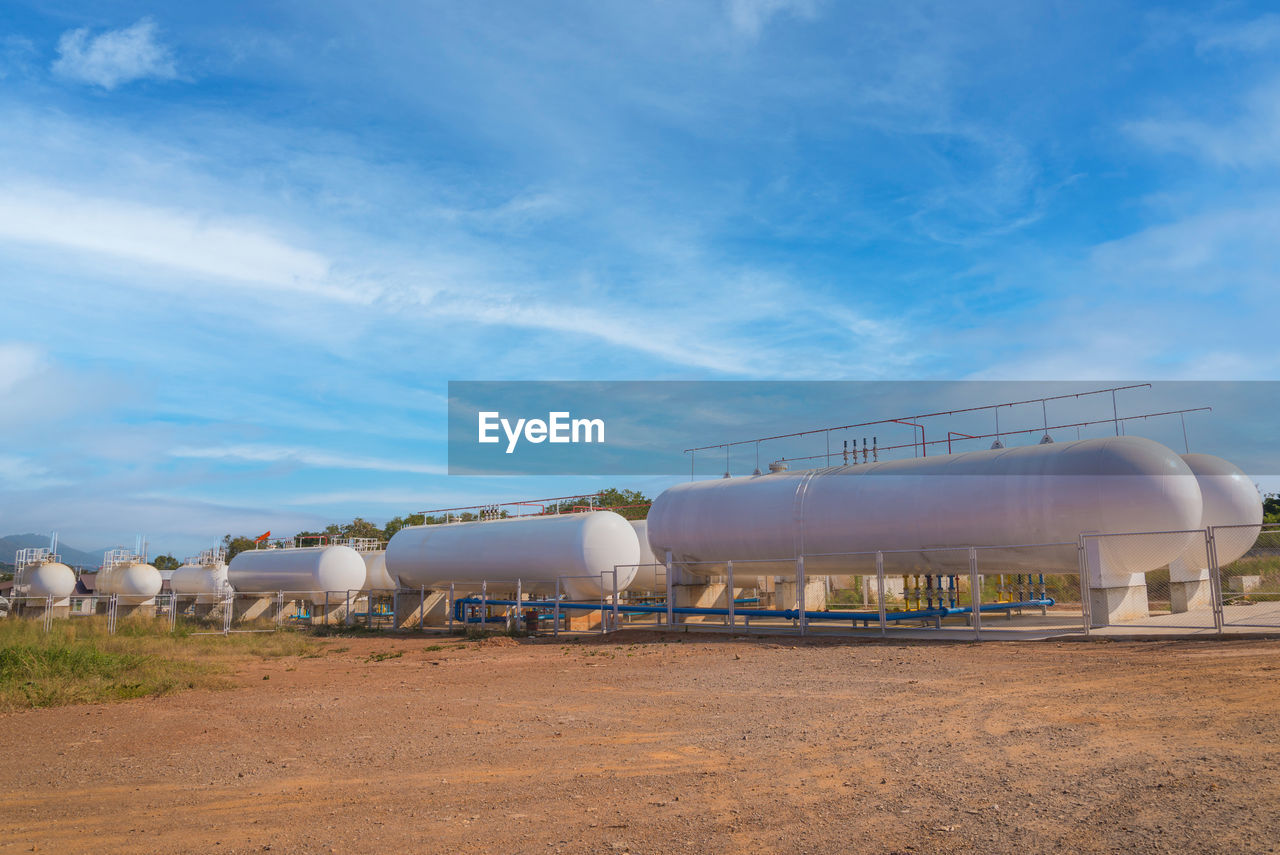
{"x": 800, "y": 598}
{"x": 1215, "y": 578}
{"x": 884, "y": 617}
{"x": 732, "y": 618}
{"x": 484, "y": 604}
{"x": 671, "y": 593}
{"x": 422, "y": 606}
{"x": 555, "y": 629}
{"x": 1085, "y": 606}
{"x": 452, "y": 606}
{"x": 975, "y": 593}
{"x": 615, "y": 598}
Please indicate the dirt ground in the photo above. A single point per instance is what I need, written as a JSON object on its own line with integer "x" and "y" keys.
{"x": 648, "y": 745}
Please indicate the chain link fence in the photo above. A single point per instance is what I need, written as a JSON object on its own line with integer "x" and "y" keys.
{"x": 1249, "y": 566}
{"x": 1204, "y": 580}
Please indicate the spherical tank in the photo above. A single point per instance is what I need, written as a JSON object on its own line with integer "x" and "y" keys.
{"x": 1036, "y": 494}
{"x": 206, "y": 582}
{"x": 315, "y": 570}
{"x": 376, "y": 576}
{"x": 50, "y": 579}
{"x": 1231, "y": 499}
{"x": 583, "y": 549}
{"x": 133, "y": 584}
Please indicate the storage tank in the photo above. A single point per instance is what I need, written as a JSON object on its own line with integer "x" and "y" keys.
{"x": 647, "y": 577}
{"x": 45, "y": 579}
{"x": 313, "y": 570}
{"x": 1026, "y": 495}
{"x": 1230, "y": 499}
{"x": 133, "y": 582}
{"x": 376, "y": 576}
{"x": 535, "y": 550}
{"x": 651, "y": 573}
{"x": 206, "y": 580}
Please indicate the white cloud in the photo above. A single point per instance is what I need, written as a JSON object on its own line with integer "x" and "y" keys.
{"x": 167, "y": 237}
{"x": 21, "y": 473}
{"x": 1231, "y": 250}
{"x": 114, "y": 57}
{"x": 1252, "y": 36}
{"x": 17, "y": 363}
{"x": 1249, "y": 139}
{"x": 304, "y": 456}
{"x": 749, "y": 17}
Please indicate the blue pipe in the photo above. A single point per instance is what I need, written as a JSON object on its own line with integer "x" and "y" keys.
{"x": 785, "y": 614}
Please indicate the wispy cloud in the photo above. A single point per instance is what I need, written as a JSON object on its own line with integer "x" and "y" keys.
{"x": 1251, "y": 36}
{"x": 749, "y": 17}
{"x": 114, "y": 57}
{"x": 171, "y": 238}
{"x": 248, "y": 453}
{"x": 1248, "y": 136}
{"x": 17, "y": 363}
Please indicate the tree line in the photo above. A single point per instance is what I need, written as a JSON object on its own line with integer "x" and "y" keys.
{"x": 631, "y": 504}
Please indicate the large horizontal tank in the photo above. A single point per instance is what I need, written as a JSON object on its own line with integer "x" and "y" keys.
{"x": 648, "y": 576}
{"x": 535, "y": 550}
{"x": 1230, "y": 499}
{"x": 206, "y": 582}
{"x": 376, "y": 576}
{"x": 45, "y": 579}
{"x": 1028, "y": 495}
{"x": 313, "y": 570}
{"x": 133, "y": 582}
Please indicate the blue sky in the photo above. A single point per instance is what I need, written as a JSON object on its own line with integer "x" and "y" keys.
{"x": 243, "y": 247}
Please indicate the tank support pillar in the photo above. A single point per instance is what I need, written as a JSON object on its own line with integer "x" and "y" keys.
{"x": 1118, "y": 605}
{"x": 815, "y": 594}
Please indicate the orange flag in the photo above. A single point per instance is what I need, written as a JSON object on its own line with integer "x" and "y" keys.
{"x": 262, "y": 537}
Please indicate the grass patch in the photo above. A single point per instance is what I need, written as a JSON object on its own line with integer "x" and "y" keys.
{"x": 78, "y": 662}
{"x": 384, "y": 656}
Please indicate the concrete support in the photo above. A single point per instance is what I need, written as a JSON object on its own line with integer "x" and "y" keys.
{"x": 36, "y": 610}
{"x": 1190, "y": 596}
{"x": 1117, "y": 605}
{"x": 250, "y": 610}
{"x": 815, "y": 594}
{"x": 708, "y": 596}
{"x": 1189, "y": 586}
{"x": 1115, "y": 596}
{"x": 431, "y": 611}
{"x": 141, "y": 610}
{"x": 580, "y": 621}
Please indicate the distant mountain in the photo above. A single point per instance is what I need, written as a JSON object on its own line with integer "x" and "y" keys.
{"x": 70, "y": 555}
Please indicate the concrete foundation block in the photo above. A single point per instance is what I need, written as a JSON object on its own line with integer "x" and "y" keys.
{"x": 815, "y": 594}
{"x": 1117, "y": 605}
{"x": 1190, "y": 596}
{"x": 708, "y": 596}
{"x": 434, "y": 610}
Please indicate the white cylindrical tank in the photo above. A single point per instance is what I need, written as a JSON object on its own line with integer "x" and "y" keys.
{"x": 206, "y": 582}
{"x": 651, "y": 572}
{"x": 648, "y": 577}
{"x": 314, "y": 570}
{"x": 1014, "y": 496}
{"x": 376, "y": 576}
{"x": 133, "y": 583}
{"x": 49, "y": 579}
{"x": 1232, "y": 500}
{"x": 584, "y": 548}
